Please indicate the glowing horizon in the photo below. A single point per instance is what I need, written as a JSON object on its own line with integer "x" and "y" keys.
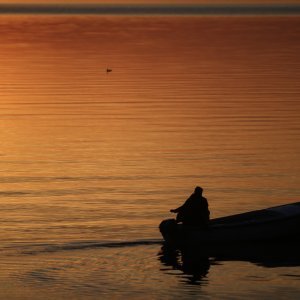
{"x": 205, "y": 2}
{"x": 150, "y": 8}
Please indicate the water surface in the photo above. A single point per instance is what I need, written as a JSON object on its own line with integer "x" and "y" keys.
{"x": 90, "y": 158}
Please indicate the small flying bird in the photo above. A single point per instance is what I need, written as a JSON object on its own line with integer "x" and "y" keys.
{"x": 108, "y": 70}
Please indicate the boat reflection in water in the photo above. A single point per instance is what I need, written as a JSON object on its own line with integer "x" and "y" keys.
{"x": 194, "y": 266}
{"x": 195, "y": 263}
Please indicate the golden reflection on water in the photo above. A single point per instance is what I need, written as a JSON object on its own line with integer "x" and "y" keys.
{"x": 87, "y": 155}
{"x": 190, "y": 100}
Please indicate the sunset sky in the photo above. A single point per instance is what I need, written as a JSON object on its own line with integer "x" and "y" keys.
{"x": 231, "y": 7}
{"x": 154, "y": 1}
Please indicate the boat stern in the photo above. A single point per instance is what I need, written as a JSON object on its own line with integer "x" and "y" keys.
{"x": 169, "y": 231}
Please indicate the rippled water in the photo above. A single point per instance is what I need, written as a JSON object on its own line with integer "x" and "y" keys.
{"x": 91, "y": 162}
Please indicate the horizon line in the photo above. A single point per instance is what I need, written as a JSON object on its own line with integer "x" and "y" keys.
{"x": 152, "y": 9}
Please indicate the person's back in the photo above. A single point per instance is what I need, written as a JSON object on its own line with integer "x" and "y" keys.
{"x": 197, "y": 213}
{"x": 194, "y": 212}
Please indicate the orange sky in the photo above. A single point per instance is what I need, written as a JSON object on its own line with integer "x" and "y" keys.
{"x": 155, "y": 1}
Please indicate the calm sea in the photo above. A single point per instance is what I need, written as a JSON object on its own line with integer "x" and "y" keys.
{"x": 91, "y": 161}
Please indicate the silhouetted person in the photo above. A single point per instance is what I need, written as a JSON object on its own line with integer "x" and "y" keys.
{"x": 194, "y": 211}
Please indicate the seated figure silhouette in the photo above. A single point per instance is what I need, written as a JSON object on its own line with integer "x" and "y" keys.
{"x": 194, "y": 212}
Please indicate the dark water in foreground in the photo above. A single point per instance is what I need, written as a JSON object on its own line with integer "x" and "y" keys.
{"x": 91, "y": 162}
{"x": 146, "y": 271}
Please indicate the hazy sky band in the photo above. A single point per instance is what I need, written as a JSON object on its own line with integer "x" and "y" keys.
{"x": 152, "y": 9}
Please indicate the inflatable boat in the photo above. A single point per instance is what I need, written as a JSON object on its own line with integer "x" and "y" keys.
{"x": 271, "y": 224}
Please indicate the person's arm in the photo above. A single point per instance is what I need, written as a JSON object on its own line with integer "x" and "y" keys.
{"x": 176, "y": 210}
{"x": 180, "y": 208}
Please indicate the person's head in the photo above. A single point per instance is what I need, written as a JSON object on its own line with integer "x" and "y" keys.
{"x": 198, "y": 190}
